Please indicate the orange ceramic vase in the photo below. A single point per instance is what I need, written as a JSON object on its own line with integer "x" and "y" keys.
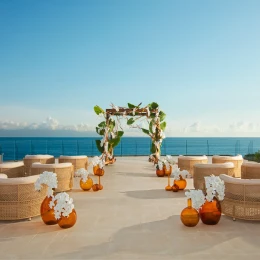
{"x": 181, "y": 183}
{"x": 95, "y": 169}
{"x": 68, "y": 222}
{"x": 160, "y": 173}
{"x": 167, "y": 172}
{"x": 99, "y": 171}
{"x": 86, "y": 185}
{"x": 47, "y": 213}
{"x": 210, "y": 212}
{"x": 190, "y": 216}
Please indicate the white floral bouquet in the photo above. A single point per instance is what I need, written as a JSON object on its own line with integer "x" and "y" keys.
{"x": 82, "y": 173}
{"x": 177, "y": 174}
{"x": 98, "y": 161}
{"x": 62, "y": 205}
{"x": 48, "y": 178}
{"x": 197, "y": 197}
{"x": 215, "y": 187}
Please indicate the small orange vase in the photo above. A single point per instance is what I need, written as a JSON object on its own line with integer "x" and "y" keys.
{"x": 210, "y": 212}
{"x": 167, "y": 172}
{"x": 95, "y": 169}
{"x": 68, "y": 222}
{"x": 181, "y": 183}
{"x": 86, "y": 185}
{"x": 190, "y": 216}
{"x": 99, "y": 171}
{"x": 160, "y": 173}
{"x": 47, "y": 213}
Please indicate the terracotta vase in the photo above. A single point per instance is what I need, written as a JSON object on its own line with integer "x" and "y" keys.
{"x": 167, "y": 172}
{"x": 86, "y": 185}
{"x": 175, "y": 188}
{"x": 190, "y": 216}
{"x": 99, "y": 171}
{"x": 68, "y": 222}
{"x": 95, "y": 169}
{"x": 160, "y": 173}
{"x": 181, "y": 183}
{"x": 210, "y": 212}
{"x": 47, "y": 213}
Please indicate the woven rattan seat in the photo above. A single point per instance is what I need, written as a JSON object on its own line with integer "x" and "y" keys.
{"x": 64, "y": 171}
{"x": 250, "y": 170}
{"x": 187, "y": 162}
{"x": 237, "y": 160}
{"x": 242, "y": 198}
{"x": 28, "y": 160}
{"x": 79, "y": 161}
{"x": 203, "y": 170}
{"x": 19, "y": 199}
{"x": 13, "y": 169}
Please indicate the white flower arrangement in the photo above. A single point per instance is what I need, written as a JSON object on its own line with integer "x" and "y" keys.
{"x": 48, "y": 178}
{"x": 98, "y": 161}
{"x": 62, "y": 204}
{"x": 170, "y": 159}
{"x": 215, "y": 187}
{"x": 197, "y": 197}
{"x": 82, "y": 173}
{"x": 159, "y": 165}
{"x": 177, "y": 174}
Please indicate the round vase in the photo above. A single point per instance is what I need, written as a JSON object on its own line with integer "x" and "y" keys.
{"x": 95, "y": 169}
{"x": 190, "y": 216}
{"x": 47, "y": 213}
{"x": 86, "y": 185}
{"x": 68, "y": 222}
{"x": 160, "y": 173}
{"x": 210, "y": 212}
{"x": 181, "y": 183}
{"x": 99, "y": 171}
{"x": 167, "y": 172}
{"x": 175, "y": 188}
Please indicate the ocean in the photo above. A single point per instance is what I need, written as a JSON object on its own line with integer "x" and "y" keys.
{"x": 15, "y": 148}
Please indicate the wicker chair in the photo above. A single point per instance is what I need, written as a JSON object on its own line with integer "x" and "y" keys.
{"x": 187, "y": 162}
{"x": 250, "y": 170}
{"x": 13, "y": 169}
{"x": 242, "y": 198}
{"x": 28, "y": 160}
{"x": 19, "y": 199}
{"x": 64, "y": 173}
{"x": 237, "y": 160}
{"x": 203, "y": 170}
{"x": 79, "y": 161}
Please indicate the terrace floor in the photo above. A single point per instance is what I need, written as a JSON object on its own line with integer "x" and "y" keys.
{"x": 132, "y": 218}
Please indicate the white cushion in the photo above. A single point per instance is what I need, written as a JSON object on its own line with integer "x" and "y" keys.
{"x": 39, "y": 156}
{"x": 238, "y": 157}
{"x": 19, "y": 180}
{"x": 11, "y": 165}
{"x": 51, "y": 166}
{"x": 73, "y": 157}
{"x": 230, "y": 179}
{"x": 3, "y": 176}
{"x": 215, "y": 165}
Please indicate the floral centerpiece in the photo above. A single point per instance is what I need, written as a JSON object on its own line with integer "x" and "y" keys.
{"x": 179, "y": 177}
{"x": 86, "y": 182}
{"x": 98, "y": 163}
{"x": 63, "y": 210}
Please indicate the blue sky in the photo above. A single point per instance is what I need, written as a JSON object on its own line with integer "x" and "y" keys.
{"x": 199, "y": 60}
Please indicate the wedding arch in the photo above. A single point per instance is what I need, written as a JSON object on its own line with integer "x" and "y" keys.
{"x": 112, "y": 129}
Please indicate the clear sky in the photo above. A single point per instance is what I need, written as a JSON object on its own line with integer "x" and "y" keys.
{"x": 200, "y": 60}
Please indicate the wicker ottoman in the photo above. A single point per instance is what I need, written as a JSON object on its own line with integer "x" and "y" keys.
{"x": 12, "y": 169}
{"x": 250, "y": 170}
{"x": 203, "y": 170}
{"x": 237, "y": 160}
{"x": 187, "y": 162}
{"x": 79, "y": 161}
{"x": 28, "y": 160}
{"x": 64, "y": 171}
{"x": 19, "y": 199}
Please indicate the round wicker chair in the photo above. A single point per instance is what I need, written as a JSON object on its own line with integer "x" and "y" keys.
{"x": 203, "y": 170}
{"x": 242, "y": 198}
{"x": 250, "y": 170}
{"x": 187, "y": 162}
{"x": 13, "y": 169}
{"x": 64, "y": 171}
{"x": 237, "y": 160}
{"x": 28, "y": 160}
{"x": 79, "y": 161}
{"x": 19, "y": 199}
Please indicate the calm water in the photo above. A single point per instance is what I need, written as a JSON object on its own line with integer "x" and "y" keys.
{"x": 16, "y": 148}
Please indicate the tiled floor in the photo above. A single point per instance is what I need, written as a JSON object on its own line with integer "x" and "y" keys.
{"x": 132, "y": 218}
